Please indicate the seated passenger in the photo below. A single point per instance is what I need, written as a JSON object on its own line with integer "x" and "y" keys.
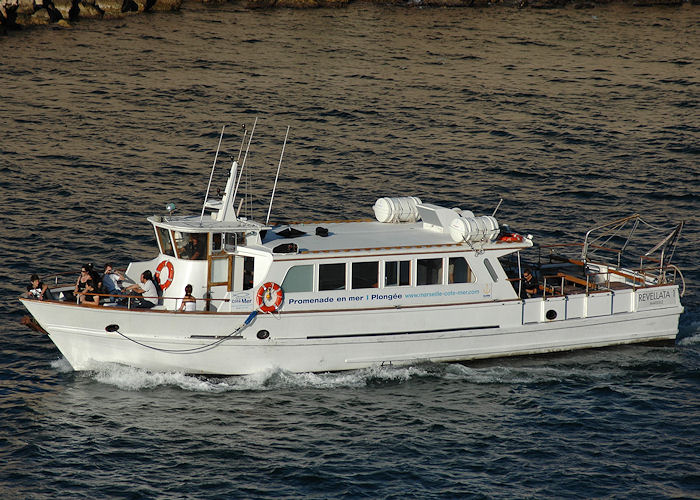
{"x": 36, "y": 289}
{"x": 110, "y": 282}
{"x": 530, "y": 287}
{"x": 189, "y": 303}
{"x": 95, "y": 276}
{"x": 146, "y": 292}
{"x": 84, "y": 285}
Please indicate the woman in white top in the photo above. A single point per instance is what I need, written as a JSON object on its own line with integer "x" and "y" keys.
{"x": 189, "y": 303}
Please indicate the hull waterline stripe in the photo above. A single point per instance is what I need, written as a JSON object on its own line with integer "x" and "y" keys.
{"x": 445, "y": 330}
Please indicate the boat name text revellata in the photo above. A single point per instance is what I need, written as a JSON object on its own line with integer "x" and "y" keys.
{"x": 656, "y": 296}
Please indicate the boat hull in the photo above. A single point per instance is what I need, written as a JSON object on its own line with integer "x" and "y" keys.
{"x": 333, "y": 340}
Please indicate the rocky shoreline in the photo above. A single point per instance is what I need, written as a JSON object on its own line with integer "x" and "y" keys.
{"x": 19, "y": 14}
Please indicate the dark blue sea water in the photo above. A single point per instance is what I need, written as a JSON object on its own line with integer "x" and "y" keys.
{"x": 573, "y": 117}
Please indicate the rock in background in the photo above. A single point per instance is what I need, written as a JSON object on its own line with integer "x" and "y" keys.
{"x": 16, "y": 14}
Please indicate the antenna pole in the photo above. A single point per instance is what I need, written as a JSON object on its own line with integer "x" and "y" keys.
{"x": 240, "y": 174}
{"x": 277, "y": 176}
{"x": 240, "y": 150}
{"x": 206, "y": 197}
{"x": 497, "y": 207}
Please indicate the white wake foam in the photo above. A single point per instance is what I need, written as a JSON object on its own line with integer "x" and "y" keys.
{"x": 135, "y": 379}
{"x": 61, "y": 365}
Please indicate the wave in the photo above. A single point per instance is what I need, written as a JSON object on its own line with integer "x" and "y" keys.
{"x": 511, "y": 372}
{"x": 689, "y": 329}
{"x": 135, "y": 379}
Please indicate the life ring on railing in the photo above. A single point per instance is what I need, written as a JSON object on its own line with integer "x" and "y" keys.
{"x": 269, "y": 297}
{"x": 511, "y": 238}
{"x": 171, "y": 274}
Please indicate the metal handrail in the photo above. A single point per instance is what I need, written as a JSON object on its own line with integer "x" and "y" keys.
{"x": 56, "y": 276}
{"x": 564, "y": 279}
{"x": 570, "y": 245}
{"x": 129, "y": 297}
{"x": 619, "y": 222}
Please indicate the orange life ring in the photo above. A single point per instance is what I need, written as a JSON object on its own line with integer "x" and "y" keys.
{"x": 511, "y": 237}
{"x": 269, "y": 297}
{"x": 171, "y": 274}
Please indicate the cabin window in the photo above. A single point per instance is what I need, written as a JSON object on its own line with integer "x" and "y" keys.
{"x": 365, "y": 275}
{"x": 299, "y": 279}
{"x": 242, "y": 272}
{"x": 397, "y": 273}
{"x": 429, "y": 272}
{"x": 331, "y": 276}
{"x": 491, "y": 270}
{"x": 248, "y": 272}
{"x": 217, "y": 243}
{"x": 458, "y": 271}
{"x": 191, "y": 246}
{"x": 218, "y": 270}
{"x": 166, "y": 246}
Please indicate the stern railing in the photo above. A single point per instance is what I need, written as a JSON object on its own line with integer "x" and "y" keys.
{"x": 634, "y": 279}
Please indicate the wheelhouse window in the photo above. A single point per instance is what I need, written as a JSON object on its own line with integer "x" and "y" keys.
{"x": 299, "y": 279}
{"x": 241, "y": 239}
{"x": 230, "y": 242}
{"x": 397, "y": 273}
{"x": 365, "y": 275}
{"x": 429, "y": 271}
{"x": 166, "y": 245}
{"x": 191, "y": 246}
{"x": 458, "y": 271}
{"x": 331, "y": 276}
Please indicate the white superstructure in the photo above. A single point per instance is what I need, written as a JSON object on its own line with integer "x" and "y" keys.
{"x": 421, "y": 282}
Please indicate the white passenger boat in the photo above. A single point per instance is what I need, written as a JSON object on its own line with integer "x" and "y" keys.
{"x": 418, "y": 282}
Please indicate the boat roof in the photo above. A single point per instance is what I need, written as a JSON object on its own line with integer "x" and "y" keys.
{"x": 197, "y": 224}
{"x": 367, "y": 235}
{"x": 350, "y": 236}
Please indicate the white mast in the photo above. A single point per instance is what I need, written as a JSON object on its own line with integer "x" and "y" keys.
{"x": 224, "y": 210}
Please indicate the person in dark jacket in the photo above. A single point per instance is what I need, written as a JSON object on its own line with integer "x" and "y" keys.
{"x": 530, "y": 286}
